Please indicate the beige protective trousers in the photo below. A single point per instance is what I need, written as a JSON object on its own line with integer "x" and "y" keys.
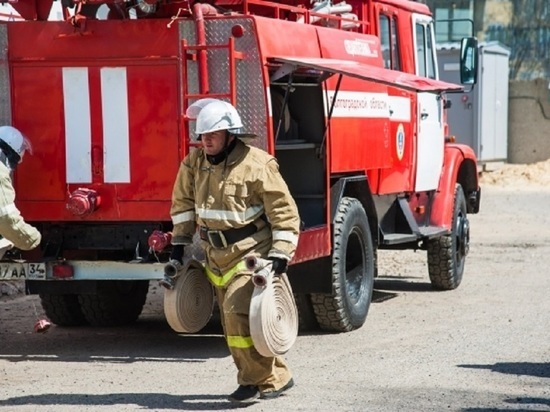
{"x": 268, "y": 374}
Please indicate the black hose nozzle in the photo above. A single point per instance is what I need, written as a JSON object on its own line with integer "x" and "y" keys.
{"x": 172, "y": 268}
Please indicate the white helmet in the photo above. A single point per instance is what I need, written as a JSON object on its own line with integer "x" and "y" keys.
{"x": 217, "y": 115}
{"x": 15, "y": 140}
{"x": 212, "y": 115}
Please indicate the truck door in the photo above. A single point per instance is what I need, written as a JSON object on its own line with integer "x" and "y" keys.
{"x": 400, "y": 176}
{"x": 431, "y": 138}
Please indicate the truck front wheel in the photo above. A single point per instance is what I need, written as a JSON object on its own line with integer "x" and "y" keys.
{"x": 346, "y": 308}
{"x": 447, "y": 254}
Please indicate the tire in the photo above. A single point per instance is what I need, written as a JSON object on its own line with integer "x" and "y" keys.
{"x": 352, "y": 271}
{"x": 116, "y": 303}
{"x": 63, "y": 310}
{"x": 447, "y": 254}
{"x": 306, "y": 314}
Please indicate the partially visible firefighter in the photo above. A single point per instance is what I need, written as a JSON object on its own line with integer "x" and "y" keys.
{"x": 13, "y": 227}
{"x": 242, "y": 206}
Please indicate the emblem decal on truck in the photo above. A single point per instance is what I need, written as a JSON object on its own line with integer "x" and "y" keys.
{"x": 400, "y": 141}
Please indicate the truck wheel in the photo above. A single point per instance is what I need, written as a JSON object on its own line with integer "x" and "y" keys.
{"x": 306, "y": 314}
{"x": 352, "y": 271}
{"x": 63, "y": 310}
{"x": 116, "y": 303}
{"x": 447, "y": 254}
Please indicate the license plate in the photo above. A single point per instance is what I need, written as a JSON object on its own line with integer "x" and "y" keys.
{"x": 16, "y": 271}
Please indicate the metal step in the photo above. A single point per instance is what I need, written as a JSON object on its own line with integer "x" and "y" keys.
{"x": 432, "y": 231}
{"x": 425, "y": 232}
{"x": 396, "y": 238}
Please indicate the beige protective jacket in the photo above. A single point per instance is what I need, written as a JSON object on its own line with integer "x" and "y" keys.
{"x": 12, "y": 224}
{"x": 250, "y": 187}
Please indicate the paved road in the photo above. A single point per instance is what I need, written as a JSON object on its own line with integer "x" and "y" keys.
{"x": 482, "y": 347}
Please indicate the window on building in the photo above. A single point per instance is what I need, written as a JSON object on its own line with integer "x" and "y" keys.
{"x": 454, "y": 20}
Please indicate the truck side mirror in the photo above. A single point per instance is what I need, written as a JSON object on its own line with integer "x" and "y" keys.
{"x": 468, "y": 60}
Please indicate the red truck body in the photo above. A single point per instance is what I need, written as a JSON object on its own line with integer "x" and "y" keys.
{"x": 354, "y": 96}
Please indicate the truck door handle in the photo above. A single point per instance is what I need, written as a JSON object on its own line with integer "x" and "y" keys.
{"x": 424, "y": 116}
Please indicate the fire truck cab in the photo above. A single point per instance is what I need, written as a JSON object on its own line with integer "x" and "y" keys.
{"x": 345, "y": 95}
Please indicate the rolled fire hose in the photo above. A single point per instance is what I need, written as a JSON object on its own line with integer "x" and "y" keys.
{"x": 273, "y": 312}
{"x": 189, "y": 305}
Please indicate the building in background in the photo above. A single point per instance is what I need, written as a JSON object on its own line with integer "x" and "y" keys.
{"x": 523, "y": 26}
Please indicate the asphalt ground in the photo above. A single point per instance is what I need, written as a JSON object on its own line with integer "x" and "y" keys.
{"x": 482, "y": 347}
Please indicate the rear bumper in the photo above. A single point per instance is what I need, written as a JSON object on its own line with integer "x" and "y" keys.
{"x": 82, "y": 270}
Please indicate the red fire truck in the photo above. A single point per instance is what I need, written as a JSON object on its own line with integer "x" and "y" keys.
{"x": 344, "y": 94}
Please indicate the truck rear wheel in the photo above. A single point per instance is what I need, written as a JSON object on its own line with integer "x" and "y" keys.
{"x": 63, "y": 310}
{"x": 346, "y": 308}
{"x": 306, "y": 314}
{"x": 447, "y": 254}
{"x": 116, "y": 302}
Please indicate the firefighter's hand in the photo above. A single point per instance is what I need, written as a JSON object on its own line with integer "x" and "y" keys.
{"x": 279, "y": 265}
{"x": 177, "y": 253}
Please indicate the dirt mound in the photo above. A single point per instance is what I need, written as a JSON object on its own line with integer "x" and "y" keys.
{"x": 520, "y": 175}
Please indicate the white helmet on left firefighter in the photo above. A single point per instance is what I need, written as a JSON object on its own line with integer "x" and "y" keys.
{"x": 212, "y": 115}
{"x": 15, "y": 141}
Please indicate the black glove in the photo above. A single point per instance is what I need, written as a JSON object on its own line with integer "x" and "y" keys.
{"x": 279, "y": 265}
{"x": 177, "y": 253}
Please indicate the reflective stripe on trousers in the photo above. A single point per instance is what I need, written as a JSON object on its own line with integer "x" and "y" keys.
{"x": 222, "y": 280}
{"x": 240, "y": 342}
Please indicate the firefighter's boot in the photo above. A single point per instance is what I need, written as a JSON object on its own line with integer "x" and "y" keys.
{"x": 245, "y": 394}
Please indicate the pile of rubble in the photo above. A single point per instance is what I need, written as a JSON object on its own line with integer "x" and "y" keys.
{"x": 518, "y": 175}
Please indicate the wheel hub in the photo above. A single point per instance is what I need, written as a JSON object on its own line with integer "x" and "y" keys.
{"x": 463, "y": 236}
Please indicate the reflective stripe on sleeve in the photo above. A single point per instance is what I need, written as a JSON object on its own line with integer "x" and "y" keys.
{"x": 8, "y": 209}
{"x": 183, "y": 217}
{"x": 241, "y": 342}
{"x": 222, "y": 280}
{"x": 231, "y": 215}
{"x": 285, "y": 235}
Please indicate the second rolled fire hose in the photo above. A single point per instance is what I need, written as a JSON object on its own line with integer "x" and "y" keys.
{"x": 273, "y": 313}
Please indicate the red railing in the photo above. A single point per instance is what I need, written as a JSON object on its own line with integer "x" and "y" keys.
{"x": 296, "y": 13}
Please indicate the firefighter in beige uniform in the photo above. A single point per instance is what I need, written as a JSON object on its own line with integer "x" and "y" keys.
{"x": 242, "y": 206}
{"x": 12, "y": 225}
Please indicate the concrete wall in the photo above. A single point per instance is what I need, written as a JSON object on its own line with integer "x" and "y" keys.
{"x": 529, "y": 121}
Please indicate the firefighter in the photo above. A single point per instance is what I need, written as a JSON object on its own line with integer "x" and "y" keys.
{"x": 234, "y": 195}
{"x": 13, "y": 227}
